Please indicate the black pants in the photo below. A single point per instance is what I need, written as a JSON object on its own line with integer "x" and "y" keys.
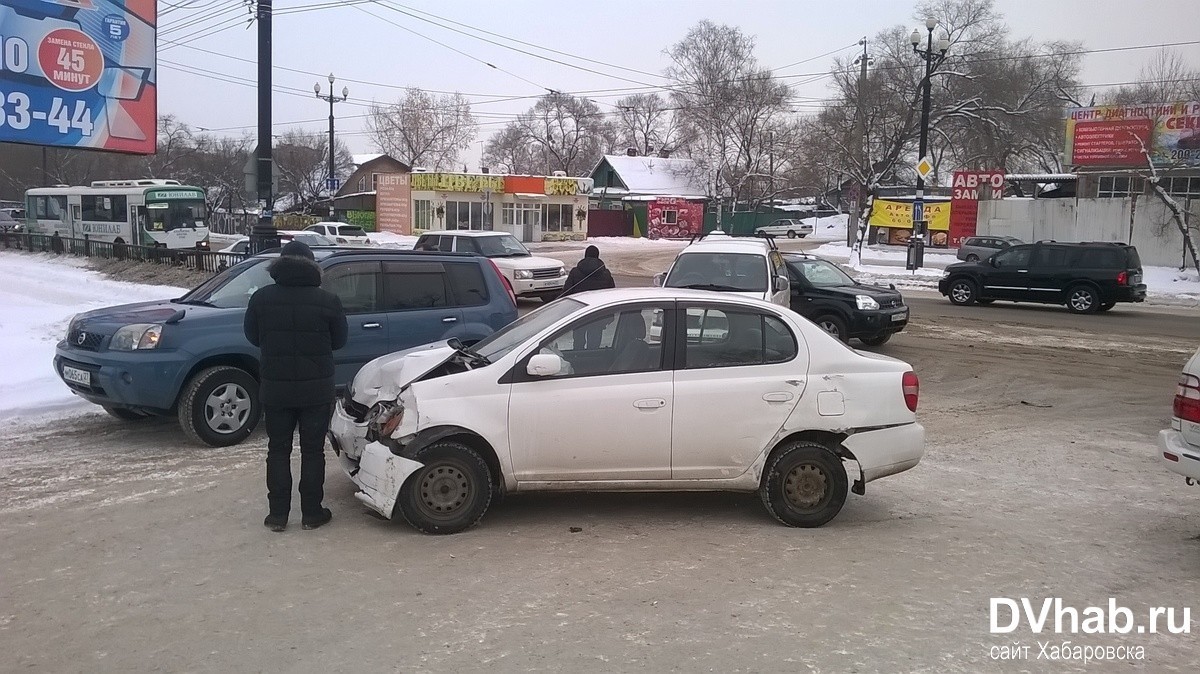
{"x": 281, "y": 424}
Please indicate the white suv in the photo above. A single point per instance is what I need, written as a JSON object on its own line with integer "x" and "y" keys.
{"x": 747, "y": 267}
{"x": 1179, "y": 445}
{"x": 341, "y": 232}
{"x": 530, "y": 276}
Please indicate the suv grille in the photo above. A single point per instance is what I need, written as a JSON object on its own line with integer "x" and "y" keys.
{"x": 890, "y": 303}
{"x": 545, "y": 273}
{"x": 85, "y": 340}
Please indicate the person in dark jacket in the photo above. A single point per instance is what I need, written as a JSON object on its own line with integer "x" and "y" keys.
{"x": 297, "y": 326}
{"x": 589, "y": 274}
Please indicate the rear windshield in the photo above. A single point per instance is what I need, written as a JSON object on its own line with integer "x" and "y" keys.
{"x": 351, "y": 230}
{"x": 739, "y": 272}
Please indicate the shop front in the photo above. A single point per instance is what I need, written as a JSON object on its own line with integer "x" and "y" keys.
{"x": 532, "y": 208}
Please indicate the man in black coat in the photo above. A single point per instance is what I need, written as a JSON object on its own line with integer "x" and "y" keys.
{"x": 589, "y": 274}
{"x": 297, "y": 326}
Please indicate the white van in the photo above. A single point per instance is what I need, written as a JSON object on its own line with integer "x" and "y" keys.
{"x": 719, "y": 262}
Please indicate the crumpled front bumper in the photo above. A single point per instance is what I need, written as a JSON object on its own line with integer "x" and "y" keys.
{"x": 378, "y": 473}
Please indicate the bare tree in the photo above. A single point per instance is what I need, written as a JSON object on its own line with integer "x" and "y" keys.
{"x": 423, "y": 129}
{"x": 646, "y": 122}
{"x": 510, "y": 151}
{"x": 302, "y": 158}
{"x": 561, "y": 132}
{"x": 1166, "y": 78}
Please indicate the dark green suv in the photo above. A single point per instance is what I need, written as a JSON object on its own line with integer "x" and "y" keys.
{"x": 1086, "y": 277}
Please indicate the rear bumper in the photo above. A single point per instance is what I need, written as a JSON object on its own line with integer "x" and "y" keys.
{"x": 887, "y": 451}
{"x": 1187, "y": 457}
{"x": 1131, "y": 293}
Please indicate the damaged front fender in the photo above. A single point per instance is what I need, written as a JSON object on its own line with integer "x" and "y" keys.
{"x": 379, "y": 475}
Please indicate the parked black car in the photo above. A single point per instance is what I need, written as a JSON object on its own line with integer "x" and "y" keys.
{"x": 843, "y": 307}
{"x": 1086, "y": 277}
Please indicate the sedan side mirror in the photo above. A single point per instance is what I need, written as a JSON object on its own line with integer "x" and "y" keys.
{"x": 544, "y": 365}
{"x": 660, "y": 279}
{"x": 782, "y": 284}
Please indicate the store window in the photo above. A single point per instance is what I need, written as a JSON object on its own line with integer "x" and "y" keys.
{"x": 1180, "y": 186}
{"x": 670, "y": 217}
{"x": 557, "y": 218}
{"x": 466, "y": 215}
{"x": 422, "y": 214}
{"x": 1119, "y": 186}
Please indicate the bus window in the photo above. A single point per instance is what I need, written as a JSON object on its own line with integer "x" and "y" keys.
{"x": 168, "y": 216}
{"x": 48, "y": 208}
{"x": 108, "y": 208}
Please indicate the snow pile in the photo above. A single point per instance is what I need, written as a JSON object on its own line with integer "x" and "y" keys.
{"x": 840, "y": 251}
{"x": 1171, "y": 282}
{"x": 391, "y": 240}
{"x": 39, "y": 295}
{"x": 832, "y": 228}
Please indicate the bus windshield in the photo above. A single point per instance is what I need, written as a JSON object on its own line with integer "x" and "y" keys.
{"x": 166, "y": 216}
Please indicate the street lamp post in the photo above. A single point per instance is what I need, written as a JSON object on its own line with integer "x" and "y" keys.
{"x": 331, "y": 177}
{"x": 932, "y": 58}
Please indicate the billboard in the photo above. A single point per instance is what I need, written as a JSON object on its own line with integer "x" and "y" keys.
{"x": 79, "y": 73}
{"x": 896, "y": 218}
{"x": 964, "y": 202}
{"x": 393, "y": 203}
{"x": 1115, "y": 135}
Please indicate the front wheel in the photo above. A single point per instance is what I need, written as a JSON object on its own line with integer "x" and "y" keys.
{"x": 805, "y": 485}
{"x": 876, "y": 340}
{"x": 219, "y": 406}
{"x": 962, "y": 292}
{"x": 972, "y": 258}
{"x": 450, "y": 492}
{"x": 1082, "y": 300}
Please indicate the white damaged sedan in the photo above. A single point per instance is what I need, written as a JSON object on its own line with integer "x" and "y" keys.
{"x": 738, "y": 395}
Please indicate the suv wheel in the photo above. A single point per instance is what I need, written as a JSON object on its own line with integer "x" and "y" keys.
{"x": 805, "y": 485}
{"x": 876, "y": 340}
{"x": 219, "y": 406}
{"x": 1106, "y": 306}
{"x": 450, "y": 492}
{"x": 1082, "y": 299}
{"x": 833, "y": 325}
{"x": 972, "y": 258}
{"x": 962, "y": 292}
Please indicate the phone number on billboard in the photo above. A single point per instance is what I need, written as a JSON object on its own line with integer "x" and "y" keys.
{"x": 15, "y": 111}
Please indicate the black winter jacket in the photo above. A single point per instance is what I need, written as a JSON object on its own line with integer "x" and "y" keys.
{"x": 589, "y": 274}
{"x": 298, "y": 326}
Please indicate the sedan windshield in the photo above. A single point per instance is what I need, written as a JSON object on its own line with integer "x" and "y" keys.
{"x": 739, "y": 272}
{"x": 499, "y": 344}
{"x": 821, "y": 273}
{"x": 500, "y": 246}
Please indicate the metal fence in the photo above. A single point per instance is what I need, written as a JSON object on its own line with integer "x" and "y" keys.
{"x": 200, "y": 260}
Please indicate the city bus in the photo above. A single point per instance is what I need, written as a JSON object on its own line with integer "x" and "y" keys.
{"x": 155, "y": 213}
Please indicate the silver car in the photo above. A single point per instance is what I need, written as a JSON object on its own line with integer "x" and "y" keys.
{"x": 788, "y": 227}
{"x": 976, "y": 248}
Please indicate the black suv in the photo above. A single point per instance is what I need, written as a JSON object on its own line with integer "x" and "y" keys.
{"x": 1087, "y": 277}
{"x": 843, "y": 307}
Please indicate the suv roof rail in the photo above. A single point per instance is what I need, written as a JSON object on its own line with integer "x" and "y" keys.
{"x": 337, "y": 250}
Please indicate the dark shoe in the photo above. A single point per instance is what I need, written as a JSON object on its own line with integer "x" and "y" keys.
{"x": 319, "y": 520}
{"x": 275, "y": 523}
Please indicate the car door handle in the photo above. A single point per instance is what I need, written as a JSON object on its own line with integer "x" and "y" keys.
{"x": 372, "y": 326}
{"x": 449, "y": 319}
{"x": 781, "y": 397}
{"x": 649, "y": 403}
{"x": 1022, "y": 271}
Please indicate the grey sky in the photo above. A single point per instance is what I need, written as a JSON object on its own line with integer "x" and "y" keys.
{"x": 356, "y": 42}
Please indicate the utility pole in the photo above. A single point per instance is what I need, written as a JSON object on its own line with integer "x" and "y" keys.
{"x": 263, "y": 235}
{"x": 331, "y": 183}
{"x": 861, "y": 114}
{"x": 916, "y": 240}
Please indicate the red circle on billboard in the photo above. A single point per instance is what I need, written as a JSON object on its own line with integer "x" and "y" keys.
{"x": 70, "y": 59}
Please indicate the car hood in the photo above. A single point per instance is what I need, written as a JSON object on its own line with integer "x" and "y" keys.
{"x": 384, "y": 377}
{"x": 531, "y": 262}
{"x": 109, "y": 319}
{"x": 876, "y": 292}
{"x": 967, "y": 266}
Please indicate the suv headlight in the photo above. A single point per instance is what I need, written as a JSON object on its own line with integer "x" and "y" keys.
{"x": 136, "y": 336}
{"x": 866, "y": 302}
{"x": 523, "y": 273}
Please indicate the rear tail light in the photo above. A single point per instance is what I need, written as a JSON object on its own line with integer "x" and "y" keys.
{"x": 504, "y": 279}
{"x": 1187, "y": 398}
{"x": 912, "y": 390}
{"x": 1123, "y": 278}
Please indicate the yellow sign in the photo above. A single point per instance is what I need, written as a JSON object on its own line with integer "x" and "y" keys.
{"x": 924, "y": 168}
{"x": 561, "y": 186}
{"x": 457, "y": 182}
{"x": 899, "y": 214}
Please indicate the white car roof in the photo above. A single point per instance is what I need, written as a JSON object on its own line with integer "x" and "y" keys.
{"x": 468, "y": 232}
{"x": 727, "y": 244}
{"x": 614, "y": 295}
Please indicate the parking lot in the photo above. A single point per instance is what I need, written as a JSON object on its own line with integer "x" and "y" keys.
{"x": 128, "y": 549}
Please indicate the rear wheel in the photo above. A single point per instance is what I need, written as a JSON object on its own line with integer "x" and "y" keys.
{"x": 876, "y": 340}
{"x": 804, "y": 485}
{"x": 1082, "y": 299}
{"x": 962, "y": 292}
{"x": 972, "y": 258}
{"x": 1106, "y": 306}
{"x": 791, "y": 234}
{"x": 834, "y": 325}
{"x": 219, "y": 406}
{"x": 450, "y": 492}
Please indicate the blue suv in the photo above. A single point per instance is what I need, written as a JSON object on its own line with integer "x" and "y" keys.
{"x": 189, "y": 356}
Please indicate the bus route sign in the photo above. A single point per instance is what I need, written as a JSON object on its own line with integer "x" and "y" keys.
{"x": 79, "y": 73}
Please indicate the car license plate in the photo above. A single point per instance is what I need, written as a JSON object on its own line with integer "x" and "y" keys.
{"x": 549, "y": 284}
{"x": 77, "y": 376}
{"x": 903, "y": 315}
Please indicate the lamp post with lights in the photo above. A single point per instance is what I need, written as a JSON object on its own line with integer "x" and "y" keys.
{"x": 932, "y": 58}
{"x": 331, "y": 178}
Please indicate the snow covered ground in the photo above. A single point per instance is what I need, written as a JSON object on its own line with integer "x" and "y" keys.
{"x": 390, "y": 240}
{"x": 30, "y": 327}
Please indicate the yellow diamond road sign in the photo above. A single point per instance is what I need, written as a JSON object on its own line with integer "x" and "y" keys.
{"x": 924, "y": 168}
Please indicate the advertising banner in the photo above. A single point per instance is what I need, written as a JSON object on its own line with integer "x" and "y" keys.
{"x": 964, "y": 203}
{"x": 79, "y": 73}
{"x": 1115, "y": 135}
{"x": 897, "y": 216}
{"x": 393, "y": 203}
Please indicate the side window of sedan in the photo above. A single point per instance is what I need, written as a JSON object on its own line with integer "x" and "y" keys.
{"x": 611, "y": 343}
{"x": 719, "y": 338}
